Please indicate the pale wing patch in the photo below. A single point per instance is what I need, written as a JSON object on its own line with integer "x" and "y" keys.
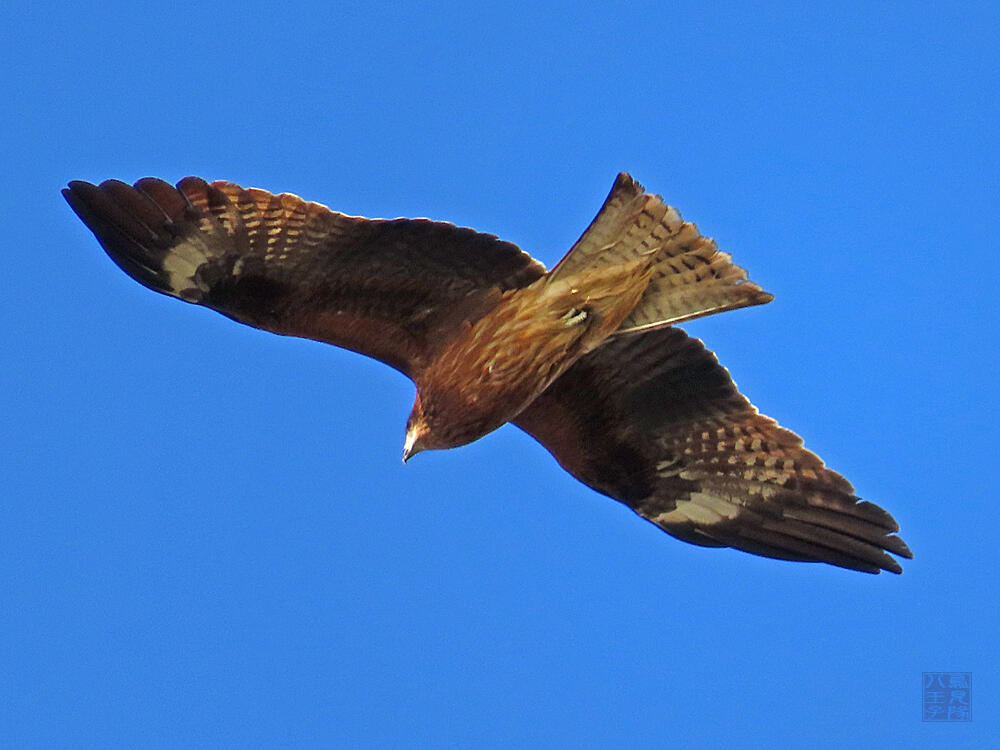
{"x": 701, "y": 508}
{"x": 181, "y": 268}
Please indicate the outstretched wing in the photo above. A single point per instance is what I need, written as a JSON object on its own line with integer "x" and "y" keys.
{"x": 655, "y": 422}
{"x": 277, "y": 262}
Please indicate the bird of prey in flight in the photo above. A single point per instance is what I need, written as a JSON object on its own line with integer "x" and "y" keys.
{"x": 586, "y": 358}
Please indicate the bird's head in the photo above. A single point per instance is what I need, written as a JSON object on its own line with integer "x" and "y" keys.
{"x": 431, "y": 426}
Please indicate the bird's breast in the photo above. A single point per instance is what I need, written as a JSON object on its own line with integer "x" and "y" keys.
{"x": 494, "y": 368}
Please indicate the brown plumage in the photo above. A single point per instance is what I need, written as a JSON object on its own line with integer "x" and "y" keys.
{"x": 584, "y": 358}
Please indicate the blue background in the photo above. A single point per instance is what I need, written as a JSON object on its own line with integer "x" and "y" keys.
{"x": 207, "y": 537}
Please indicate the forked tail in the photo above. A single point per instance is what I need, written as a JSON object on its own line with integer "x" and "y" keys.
{"x": 691, "y": 277}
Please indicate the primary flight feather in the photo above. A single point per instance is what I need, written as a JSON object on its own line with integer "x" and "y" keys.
{"x": 585, "y": 357}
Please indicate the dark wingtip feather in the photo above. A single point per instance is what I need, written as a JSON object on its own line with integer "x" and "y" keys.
{"x": 121, "y": 231}
{"x": 897, "y": 546}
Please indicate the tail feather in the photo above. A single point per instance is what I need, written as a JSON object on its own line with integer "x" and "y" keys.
{"x": 691, "y": 277}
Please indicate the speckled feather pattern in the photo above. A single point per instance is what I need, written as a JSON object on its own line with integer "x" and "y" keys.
{"x": 583, "y": 359}
{"x": 497, "y": 365}
{"x": 705, "y": 466}
{"x": 294, "y": 267}
{"x": 691, "y": 277}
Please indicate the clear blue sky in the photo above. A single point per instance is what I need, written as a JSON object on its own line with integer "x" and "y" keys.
{"x": 207, "y": 538}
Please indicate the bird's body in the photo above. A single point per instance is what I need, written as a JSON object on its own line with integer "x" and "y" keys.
{"x": 496, "y": 365}
{"x": 585, "y": 357}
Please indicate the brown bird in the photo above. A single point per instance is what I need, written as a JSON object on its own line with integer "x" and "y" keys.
{"x": 585, "y": 358}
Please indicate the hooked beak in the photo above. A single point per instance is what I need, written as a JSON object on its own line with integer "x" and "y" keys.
{"x": 411, "y": 446}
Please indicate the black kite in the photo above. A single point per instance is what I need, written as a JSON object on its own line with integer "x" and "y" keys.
{"x": 585, "y": 358}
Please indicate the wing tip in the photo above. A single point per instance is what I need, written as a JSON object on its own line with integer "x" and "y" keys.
{"x": 130, "y": 227}
{"x": 798, "y": 533}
